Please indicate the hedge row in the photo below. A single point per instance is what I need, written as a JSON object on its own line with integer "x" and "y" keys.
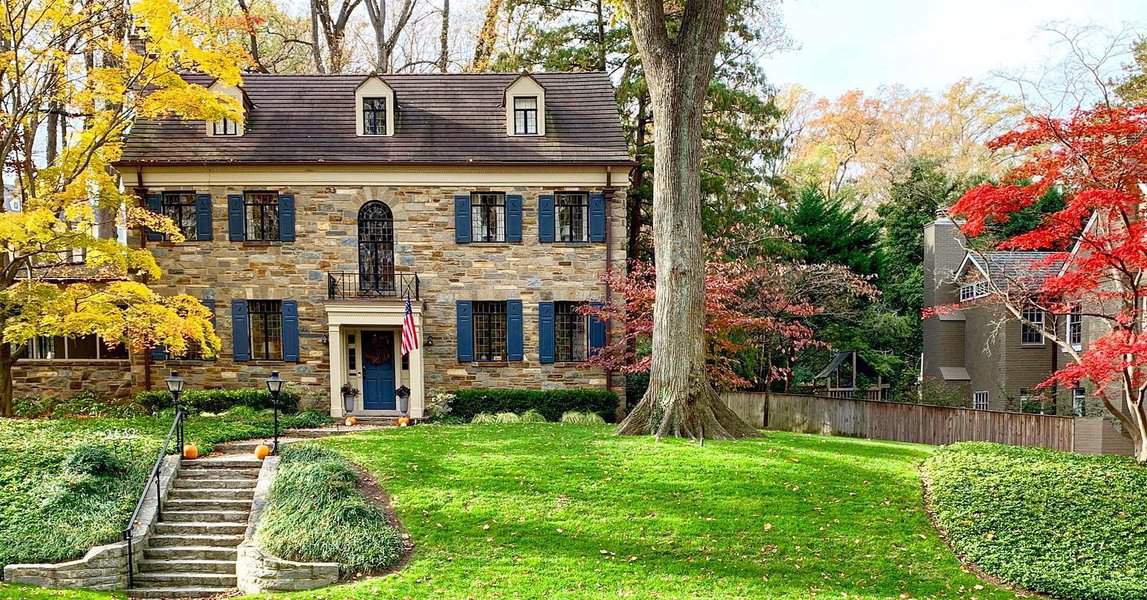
{"x": 551, "y": 403}
{"x": 216, "y": 401}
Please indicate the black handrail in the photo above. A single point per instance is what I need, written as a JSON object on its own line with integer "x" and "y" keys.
{"x": 176, "y": 431}
{"x": 347, "y": 285}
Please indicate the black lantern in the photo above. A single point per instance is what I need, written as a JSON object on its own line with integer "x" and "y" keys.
{"x": 275, "y": 385}
{"x": 175, "y": 386}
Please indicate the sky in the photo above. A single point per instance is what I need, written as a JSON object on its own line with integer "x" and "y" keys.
{"x": 927, "y": 44}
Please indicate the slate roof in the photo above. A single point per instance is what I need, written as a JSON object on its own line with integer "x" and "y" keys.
{"x": 1029, "y": 267}
{"x": 441, "y": 119}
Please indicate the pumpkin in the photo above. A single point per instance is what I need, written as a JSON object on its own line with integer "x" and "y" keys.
{"x": 262, "y": 451}
{"x": 351, "y": 421}
{"x": 403, "y": 421}
{"x": 190, "y": 451}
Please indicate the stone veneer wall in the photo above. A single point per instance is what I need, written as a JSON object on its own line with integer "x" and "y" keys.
{"x": 258, "y": 571}
{"x": 326, "y": 240}
{"x": 103, "y": 567}
{"x": 64, "y": 379}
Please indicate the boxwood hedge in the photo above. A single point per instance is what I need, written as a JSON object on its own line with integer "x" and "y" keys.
{"x": 550, "y": 403}
{"x": 1066, "y": 525}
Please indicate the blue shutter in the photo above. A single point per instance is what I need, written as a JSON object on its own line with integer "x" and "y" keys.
{"x": 236, "y": 224}
{"x": 465, "y": 331}
{"x": 155, "y": 205}
{"x": 514, "y": 330}
{"x": 545, "y": 332}
{"x": 290, "y": 331}
{"x": 596, "y": 332}
{"x": 209, "y": 303}
{"x": 241, "y": 330}
{"x": 286, "y": 218}
{"x": 596, "y": 218}
{"x": 462, "y": 219}
{"x": 203, "y": 217}
{"x": 545, "y": 219}
{"x": 513, "y": 218}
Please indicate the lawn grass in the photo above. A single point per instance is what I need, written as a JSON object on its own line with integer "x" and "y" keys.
{"x": 1068, "y": 525}
{"x": 558, "y": 511}
{"x": 48, "y": 514}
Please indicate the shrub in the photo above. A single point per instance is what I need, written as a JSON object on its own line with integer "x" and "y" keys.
{"x": 84, "y": 404}
{"x": 506, "y": 418}
{"x": 438, "y": 406}
{"x": 97, "y": 461}
{"x": 533, "y": 416}
{"x": 484, "y": 419}
{"x": 581, "y": 418}
{"x": 550, "y": 403}
{"x": 316, "y": 513}
{"x": 217, "y": 401}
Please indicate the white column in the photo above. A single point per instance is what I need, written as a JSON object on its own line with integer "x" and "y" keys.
{"x": 337, "y": 349}
{"x": 417, "y": 388}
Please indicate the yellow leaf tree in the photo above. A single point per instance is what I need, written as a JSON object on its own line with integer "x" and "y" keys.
{"x": 73, "y": 76}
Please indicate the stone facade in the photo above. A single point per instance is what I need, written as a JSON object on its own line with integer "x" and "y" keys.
{"x": 64, "y": 379}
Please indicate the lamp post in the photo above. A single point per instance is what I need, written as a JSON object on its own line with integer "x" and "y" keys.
{"x": 175, "y": 386}
{"x": 275, "y": 385}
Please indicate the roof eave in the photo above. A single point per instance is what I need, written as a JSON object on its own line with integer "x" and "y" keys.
{"x": 479, "y": 163}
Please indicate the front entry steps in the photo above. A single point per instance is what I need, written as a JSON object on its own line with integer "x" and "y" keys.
{"x": 193, "y": 550}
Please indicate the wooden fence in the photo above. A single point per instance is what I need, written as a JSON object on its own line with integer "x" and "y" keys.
{"x": 900, "y": 422}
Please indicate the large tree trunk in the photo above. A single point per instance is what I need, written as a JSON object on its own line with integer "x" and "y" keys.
{"x": 444, "y": 38}
{"x": 1133, "y": 418}
{"x": 680, "y": 400}
{"x": 6, "y": 363}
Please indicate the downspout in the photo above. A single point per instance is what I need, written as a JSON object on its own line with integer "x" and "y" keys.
{"x": 607, "y": 194}
{"x": 141, "y": 194}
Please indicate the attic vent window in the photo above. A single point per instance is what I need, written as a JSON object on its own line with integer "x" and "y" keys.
{"x": 374, "y": 116}
{"x": 526, "y": 115}
{"x": 225, "y": 126}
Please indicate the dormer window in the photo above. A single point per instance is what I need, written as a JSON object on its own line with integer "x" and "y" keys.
{"x": 526, "y": 115}
{"x": 225, "y": 126}
{"x": 374, "y": 116}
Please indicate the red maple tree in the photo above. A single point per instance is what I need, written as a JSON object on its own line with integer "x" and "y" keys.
{"x": 1098, "y": 158}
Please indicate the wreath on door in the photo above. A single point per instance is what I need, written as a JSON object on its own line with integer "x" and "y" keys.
{"x": 377, "y": 353}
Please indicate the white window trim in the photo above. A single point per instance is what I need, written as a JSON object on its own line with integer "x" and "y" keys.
{"x": 373, "y": 87}
{"x": 980, "y": 400}
{"x": 240, "y": 126}
{"x": 1039, "y": 330}
{"x": 99, "y": 351}
{"x": 1074, "y": 319}
{"x": 1078, "y": 401}
{"x": 525, "y": 87}
{"x": 973, "y": 291}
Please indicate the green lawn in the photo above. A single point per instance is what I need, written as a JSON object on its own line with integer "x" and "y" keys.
{"x": 551, "y": 511}
{"x": 1067, "y": 525}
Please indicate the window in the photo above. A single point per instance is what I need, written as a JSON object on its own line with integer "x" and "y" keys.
{"x": 980, "y": 400}
{"x": 262, "y": 215}
{"x": 526, "y": 115}
{"x": 573, "y": 215}
{"x": 973, "y": 291}
{"x": 225, "y": 127}
{"x": 1031, "y": 330}
{"x": 490, "y": 331}
{"x": 488, "y": 212}
{"x": 1075, "y": 327}
{"x": 374, "y": 116}
{"x": 1079, "y": 402}
{"x": 266, "y": 329}
{"x": 180, "y": 208}
{"x": 570, "y": 332}
{"x": 84, "y": 347}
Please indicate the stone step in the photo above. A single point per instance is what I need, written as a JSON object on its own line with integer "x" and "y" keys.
{"x": 171, "y": 515}
{"x": 209, "y": 493}
{"x": 169, "y": 540}
{"x": 177, "y": 592}
{"x": 208, "y": 504}
{"x": 222, "y": 567}
{"x": 240, "y": 473}
{"x": 201, "y": 483}
{"x": 173, "y": 579}
{"x": 205, "y": 528}
{"x": 192, "y": 553}
{"x": 230, "y": 462}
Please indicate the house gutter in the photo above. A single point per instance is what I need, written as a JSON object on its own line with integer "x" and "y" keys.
{"x": 141, "y": 195}
{"x": 607, "y": 193}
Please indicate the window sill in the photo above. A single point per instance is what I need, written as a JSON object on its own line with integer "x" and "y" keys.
{"x": 1032, "y": 345}
{"x": 1077, "y": 347}
{"x": 490, "y": 244}
{"x": 260, "y": 243}
{"x": 74, "y": 361}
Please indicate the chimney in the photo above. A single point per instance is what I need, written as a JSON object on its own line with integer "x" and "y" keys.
{"x": 943, "y": 253}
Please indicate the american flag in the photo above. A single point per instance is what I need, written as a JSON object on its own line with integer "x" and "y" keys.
{"x": 409, "y": 332}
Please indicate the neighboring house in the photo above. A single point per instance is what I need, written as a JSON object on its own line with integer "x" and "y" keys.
{"x": 494, "y": 202}
{"x": 848, "y": 375}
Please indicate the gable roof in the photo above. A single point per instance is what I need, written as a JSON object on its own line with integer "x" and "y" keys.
{"x": 451, "y": 118}
{"x": 1004, "y": 266}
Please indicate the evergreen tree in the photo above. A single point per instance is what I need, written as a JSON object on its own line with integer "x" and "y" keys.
{"x": 832, "y": 230}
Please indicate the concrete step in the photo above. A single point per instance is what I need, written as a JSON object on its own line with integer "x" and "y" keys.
{"x": 173, "y": 540}
{"x": 225, "y": 462}
{"x": 177, "y": 592}
{"x": 173, "y": 515}
{"x": 201, "y": 528}
{"x": 202, "y": 483}
{"x": 204, "y": 474}
{"x": 168, "y": 580}
{"x": 209, "y": 493}
{"x": 208, "y": 504}
{"x": 192, "y": 553}
{"x": 221, "y": 567}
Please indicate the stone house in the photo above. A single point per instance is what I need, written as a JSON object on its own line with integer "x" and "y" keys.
{"x": 492, "y": 202}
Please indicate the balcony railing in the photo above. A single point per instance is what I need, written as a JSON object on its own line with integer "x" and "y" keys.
{"x": 347, "y": 285}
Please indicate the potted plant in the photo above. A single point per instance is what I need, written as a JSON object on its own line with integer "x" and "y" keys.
{"x": 349, "y": 394}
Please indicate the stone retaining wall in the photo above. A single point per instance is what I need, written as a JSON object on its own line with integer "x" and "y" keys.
{"x": 257, "y": 570}
{"x": 103, "y": 567}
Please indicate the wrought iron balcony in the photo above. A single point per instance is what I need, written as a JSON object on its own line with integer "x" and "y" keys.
{"x": 347, "y": 285}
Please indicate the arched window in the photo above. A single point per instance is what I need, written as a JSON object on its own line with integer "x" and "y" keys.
{"x": 376, "y": 249}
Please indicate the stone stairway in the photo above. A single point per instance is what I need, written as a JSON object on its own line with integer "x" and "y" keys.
{"x": 192, "y": 552}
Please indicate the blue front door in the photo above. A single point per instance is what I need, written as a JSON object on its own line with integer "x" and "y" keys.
{"x": 378, "y": 370}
